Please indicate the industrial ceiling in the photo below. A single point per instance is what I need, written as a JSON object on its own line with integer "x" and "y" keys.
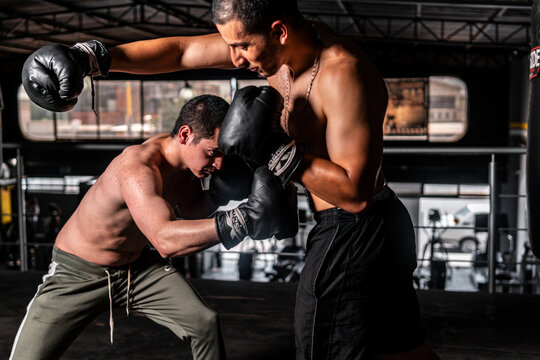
{"x": 26, "y": 25}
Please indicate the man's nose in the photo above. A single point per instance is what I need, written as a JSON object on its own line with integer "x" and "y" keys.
{"x": 218, "y": 162}
{"x": 237, "y": 59}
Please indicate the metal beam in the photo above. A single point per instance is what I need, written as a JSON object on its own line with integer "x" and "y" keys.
{"x": 478, "y": 4}
{"x": 347, "y": 11}
{"x": 46, "y": 21}
{"x": 182, "y": 15}
{"x": 493, "y": 26}
{"x": 439, "y": 31}
{"x": 101, "y": 16}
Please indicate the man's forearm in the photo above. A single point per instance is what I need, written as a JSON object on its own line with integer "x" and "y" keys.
{"x": 146, "y": 57}
{"x": 184, "y": 237}
{"x": 333, "y": 184}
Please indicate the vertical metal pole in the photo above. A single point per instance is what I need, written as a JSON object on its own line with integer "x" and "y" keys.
{"x": 234, "y": 86}
{"x": 492, "y": 226}
{"x": 55, "y": 126}
{"x": 97, "y": 98}
{"x": 23, "y": 246}
{"x": 141, "y": 108}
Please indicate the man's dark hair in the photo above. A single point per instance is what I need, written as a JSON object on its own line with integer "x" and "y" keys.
{"x": 203, "y": 114}
{"x": 255, "y": 15}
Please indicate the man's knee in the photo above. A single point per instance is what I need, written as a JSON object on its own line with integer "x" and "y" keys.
{"x": 208, "y": 323}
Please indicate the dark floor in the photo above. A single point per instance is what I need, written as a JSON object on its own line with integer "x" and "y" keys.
{"x": 257, "y": 323}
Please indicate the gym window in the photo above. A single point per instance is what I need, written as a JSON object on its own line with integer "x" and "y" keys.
{"x": 432, "y": 109}
{"x": 125, "y": 109}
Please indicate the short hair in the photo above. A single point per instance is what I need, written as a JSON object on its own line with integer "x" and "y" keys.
{"x": 203, "y": 114}
{"x": 255, "y": 15}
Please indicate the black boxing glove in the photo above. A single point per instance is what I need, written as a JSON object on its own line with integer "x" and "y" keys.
{"x": 265, "y": 213}
{"x": 231, "y": 182}
{"x": 53, "y": 75}
{"x": 289, "y": 227}
{"x": 252, "y": 129}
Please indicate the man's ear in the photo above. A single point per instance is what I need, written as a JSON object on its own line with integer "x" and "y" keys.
{"x": 280, "y": 30}
{"x": 184, "y": 134}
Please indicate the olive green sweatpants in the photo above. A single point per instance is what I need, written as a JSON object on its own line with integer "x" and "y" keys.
{"x": 75, "y": 292}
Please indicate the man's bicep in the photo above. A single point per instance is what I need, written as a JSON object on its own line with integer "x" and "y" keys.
{"x": 352, "y": 137}
{"x": 205, "y": 51}
{"x": 142, "y": 193}
{"x": 171, "y": 54}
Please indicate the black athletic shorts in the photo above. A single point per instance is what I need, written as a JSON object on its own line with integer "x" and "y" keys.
{"x": 356, "y": 297}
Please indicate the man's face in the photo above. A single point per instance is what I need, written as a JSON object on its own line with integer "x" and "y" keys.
{"x": 255, "y": 52}
{"x": 205, "y": 157}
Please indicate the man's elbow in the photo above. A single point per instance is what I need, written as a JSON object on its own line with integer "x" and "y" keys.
{"x": 357, "y": 202}
{"x": 355, "y": 206}
{"x": 165, "y": 247}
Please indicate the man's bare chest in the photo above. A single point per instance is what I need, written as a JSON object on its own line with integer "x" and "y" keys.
{"x": 302, "y": 117}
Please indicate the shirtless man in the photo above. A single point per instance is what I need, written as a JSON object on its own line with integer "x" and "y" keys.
{"x": 355, "y": 296}
{"x": 101, "y": 258}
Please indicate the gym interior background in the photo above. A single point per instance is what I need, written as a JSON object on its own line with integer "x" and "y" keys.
{"x": 455, "y": 147}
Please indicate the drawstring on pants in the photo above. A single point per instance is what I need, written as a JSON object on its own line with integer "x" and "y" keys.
{"x": 127, "y": 294}
{"x": 111, "y": 319}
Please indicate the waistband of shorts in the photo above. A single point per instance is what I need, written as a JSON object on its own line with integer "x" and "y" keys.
{"x": 340, "y": 214}
{"x": 64, "y": 258}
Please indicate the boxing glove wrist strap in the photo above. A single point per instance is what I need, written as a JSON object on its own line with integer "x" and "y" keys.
{"x": 285, "y": 160}
{"x": 99, "y": 62}
{"x": 232, "y": 227}
{"x": 98, "y": 57}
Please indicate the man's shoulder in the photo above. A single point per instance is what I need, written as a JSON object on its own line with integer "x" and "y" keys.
{"x": 147, "y": 151}
{"x": 342, "y": 52}
{"x": 131, "y": 155}
{"x": 136, "y": 159}
{"x": 341, "y": 62}
{"x": 338, "y": 68}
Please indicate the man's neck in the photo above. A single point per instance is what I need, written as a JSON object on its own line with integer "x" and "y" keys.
{"x": 172, "y": 154}
{"x": 303, "y": 46}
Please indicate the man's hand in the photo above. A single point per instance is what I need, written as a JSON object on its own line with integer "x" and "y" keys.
{"x": 252, "y": 130}
{"x": 270, "y": 210}
{"x": 53, "y": 75}
{"x": 232, "y": 182}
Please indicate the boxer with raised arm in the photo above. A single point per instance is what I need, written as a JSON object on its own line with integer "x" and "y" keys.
{"x": 102, "y": 258}
{"x": 355, "y": 297}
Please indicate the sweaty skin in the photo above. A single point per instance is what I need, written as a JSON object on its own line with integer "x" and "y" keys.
{"x": 342, "y": 120}
{"x": 134, "y": 200}
{"x": 341, "y": 124}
